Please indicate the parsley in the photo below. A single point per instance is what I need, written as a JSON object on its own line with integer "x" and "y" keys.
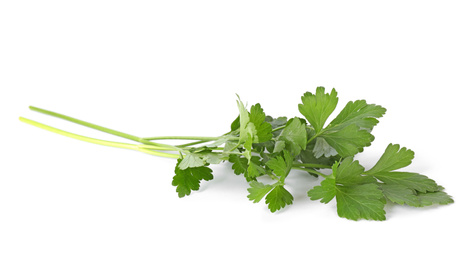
{"x": 265, "y": 150}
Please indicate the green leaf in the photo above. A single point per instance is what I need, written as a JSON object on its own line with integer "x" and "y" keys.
{"x": 258, "y": 190}
{"x": 239, "y": 164}
{"x": 235, "y": 124}
{"x": 359, "y": 113}
{"x": 202, "y": 173}
{"x": 263, "y": 128}
{"x": 252, "y": 124}
{"x": 279, "y": 146}
{"x": 364, "y": 201}
{"x": 281, "y": 165}
{"x": 349, "y": 172}
{"x": 410, "y": 180}
{"x": 184, "y": 182}
{"x": 257, "y": 116}
{"x": 400, "y": 187}
{"x": 255, "y": 168}
{"x": 322, "y": 148}
{"x": 349, "y": 140}
{"x": 189, "y": 178}
{"x": 293, "y": 136}
{"x": 212, "y": 157}
{"x": 400, "y": 194}
{"x": 308, "y": 156}
{"x": 275, "y": 123}
{"x": 248, "y": 147}
{"x": 278, "y": 198}
{"x": 230, "y": 146}
{"x": 191, "y": 160}
{"x": 325, "y": 192}
{"x": 348, "y": 133}
{"x": 437, "y": 197}
{"x": 316, "y": 108}
{"x": 393, "y": 158}
{"x": 252, "y": 171}
{"x": 244, "y": 119}
{"x": 357, "y": 196}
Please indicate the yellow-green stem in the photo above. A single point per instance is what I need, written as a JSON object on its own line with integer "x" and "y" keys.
{"x": 150, "y": 149}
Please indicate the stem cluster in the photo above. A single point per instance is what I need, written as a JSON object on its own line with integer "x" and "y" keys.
{"x": 146, "y": 144}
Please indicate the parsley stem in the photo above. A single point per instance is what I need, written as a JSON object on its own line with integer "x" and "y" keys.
{"x": 200, "y": 138}
{"x": 278, "y": 128}
{"x": 156, "y": 153}
{"x": 312, "y": 138}
{"x": 312, "y": 165}
{"x": 150, "y": 149}
{"x": 87, "y": 124}
{"x": 101, "y": 128}
{"x": 309, "y": 170}
{"x": 316, "y": 135}
{"x": 192, "y": 143}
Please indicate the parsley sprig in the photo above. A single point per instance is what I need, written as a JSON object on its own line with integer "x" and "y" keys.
{"x": 265, "y": 150}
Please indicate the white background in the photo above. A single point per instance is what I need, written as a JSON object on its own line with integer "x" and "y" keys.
{"x": 173, "y": 68}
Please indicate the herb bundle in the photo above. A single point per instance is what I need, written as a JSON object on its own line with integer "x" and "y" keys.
{"x": 262, "y": 147}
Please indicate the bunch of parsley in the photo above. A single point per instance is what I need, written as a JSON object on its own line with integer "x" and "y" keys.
{"x": 265, "y": 150}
